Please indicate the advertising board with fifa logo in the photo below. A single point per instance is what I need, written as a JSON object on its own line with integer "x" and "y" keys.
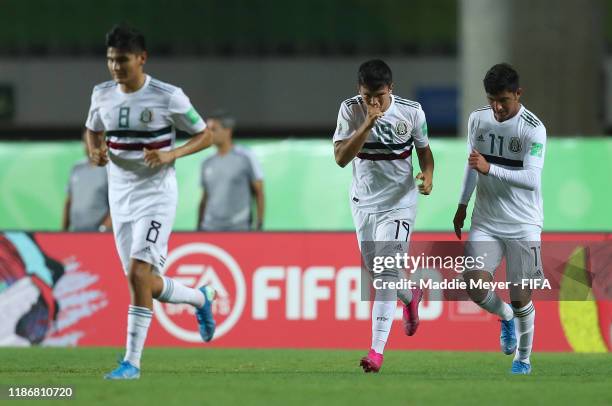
{"x": 280, "y": 290}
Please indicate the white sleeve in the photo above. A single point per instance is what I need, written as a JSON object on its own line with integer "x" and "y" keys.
{"x": 345, "y": 128}
{"x": 533, "y": 162}
{"x": 470, "y": 177}
{"x": 528, "y": 178}
{"x": 94, "y": 121}
{"x": 419, "y": 132}
{"x": 184, "y": 115}
{"x": 535, "y": 148}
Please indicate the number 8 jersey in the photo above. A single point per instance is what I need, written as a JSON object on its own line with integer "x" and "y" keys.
{"x": 515, "y": 144}
{"x": 146, "y": 118}
{"x": 382, "y": 170}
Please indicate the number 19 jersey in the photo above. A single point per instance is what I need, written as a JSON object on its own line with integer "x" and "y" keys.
{"x": 382, "y": 170}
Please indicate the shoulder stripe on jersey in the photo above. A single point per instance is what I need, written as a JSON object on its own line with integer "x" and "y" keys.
{"x": 529, "y": 120}
{"x": 531, "y": 116}
{"x": 407, "y": 102}
{"x": 159, "y": 86}
{"x": 384, "y": 157}
{"x": 483, "y": 108}
{"x": 353, "y": 100}
{"x": 138, "y": 146}
{"x": 139, "y": 134}
{"x": 105, "y": 85}
{"x": 492, "y": 159}
{"x": 381, "y": 145}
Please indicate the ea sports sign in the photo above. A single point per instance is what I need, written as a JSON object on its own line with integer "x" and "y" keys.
{"x": 195, "y": 265}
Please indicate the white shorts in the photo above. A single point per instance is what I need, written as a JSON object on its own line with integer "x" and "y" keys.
{"x": 145, "y": 239}
{"x": 383, "y": 234}
{"x": 523, "y": 256}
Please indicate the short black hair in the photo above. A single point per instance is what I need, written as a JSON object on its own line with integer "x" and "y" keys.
{"x": 501, "y": 77}
{"x": 224, "y": 117}
{"x": 374, "y": 74}
{"x": 126, "y": 39}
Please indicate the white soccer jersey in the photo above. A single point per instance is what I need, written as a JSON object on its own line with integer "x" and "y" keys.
{"x": 146, "y": 118}
{"x": 518, "y": 143}
{"x": 382, "y": 170}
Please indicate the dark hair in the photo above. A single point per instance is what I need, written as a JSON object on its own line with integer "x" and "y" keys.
{"x": 224, "y": 117}
{"x": 501, "y": 77}
{"x": 125, "y": 39}
{"x": 374, "y": 74}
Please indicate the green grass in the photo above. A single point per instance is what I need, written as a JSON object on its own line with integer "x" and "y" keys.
{"x": 311, "y": 377}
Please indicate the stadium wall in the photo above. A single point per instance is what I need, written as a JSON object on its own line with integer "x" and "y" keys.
{"x": 306, "y": 190}
{"x": 268, "y": 93}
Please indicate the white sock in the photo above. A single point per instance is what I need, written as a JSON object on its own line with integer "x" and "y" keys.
{"x": 176, "y": 292}
{"x": 139, "y": 320}
{"x": 493, "y": 304}
{"x": 525, "y": 317}
{"x": 382, "y": 319}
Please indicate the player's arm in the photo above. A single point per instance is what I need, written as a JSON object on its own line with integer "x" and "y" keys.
{"x": 258, "y": 192}
{"x": 201, "y": 209}
{"x": 470, "y": 178}
{"x": 198, "y": 142}
{"x": 345, "y": 150}
{"x": 66, "y": 215}
{"x": 106, "y": 224}
{"x": 185, "y": 118}
{"x": 96, "y": 147}
{"x": 426, "y": 159}
{"x": 533, "y": 161}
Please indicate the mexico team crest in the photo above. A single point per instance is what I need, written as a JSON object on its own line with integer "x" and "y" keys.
{"x": 401, "y": 128}
{"x": 146, "y": 116}
{"x": 515, "y": 144}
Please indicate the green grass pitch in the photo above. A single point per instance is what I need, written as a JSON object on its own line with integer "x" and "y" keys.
{"x": 204, "y": 376}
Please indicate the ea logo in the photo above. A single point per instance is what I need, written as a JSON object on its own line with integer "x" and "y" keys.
{"x": 198, "y": 264}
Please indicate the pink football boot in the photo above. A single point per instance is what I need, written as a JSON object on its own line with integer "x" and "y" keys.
{"x": 371, "y": 362}
{"x": 411, "y": 312}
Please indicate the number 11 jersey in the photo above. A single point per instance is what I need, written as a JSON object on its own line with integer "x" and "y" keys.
{"x": 515, "y": 144}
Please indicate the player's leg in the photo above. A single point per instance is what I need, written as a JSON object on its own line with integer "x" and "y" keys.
{"x": 396, "y": 226}
{"x": 364, "y": 227}
{"x": 491, "y": 251}
{"x": 524, "y": 263}
{"x": 139, "y": 318}
{"x": 155, "y": 232}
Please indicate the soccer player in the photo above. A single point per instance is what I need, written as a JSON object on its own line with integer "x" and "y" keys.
{"x": 506, "y": 143}
{"x": 377, "y": 131}
{"x": 137, "y": 115}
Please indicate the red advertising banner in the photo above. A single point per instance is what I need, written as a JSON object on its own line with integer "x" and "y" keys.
{"x": 274, "y": 290}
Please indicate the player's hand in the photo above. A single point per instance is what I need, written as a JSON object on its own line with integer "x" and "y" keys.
{"x": 374, "y": 113}
{"x": 478, "y": 162}
{"x": 425, "y": 186}
{"x": 155, "y": 157}
{"x": 98, "y": 156}
{"x": 459, "y": 219}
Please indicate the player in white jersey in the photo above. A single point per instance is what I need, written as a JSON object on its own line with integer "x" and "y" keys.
{"x": 377, "y": 131}
{"x": 138, "y": 116}
{"x": 507, "y": 144}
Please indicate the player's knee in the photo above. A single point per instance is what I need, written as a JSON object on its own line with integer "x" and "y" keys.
{"x": 477, "y": 295}
{"x": 139, "y": 273}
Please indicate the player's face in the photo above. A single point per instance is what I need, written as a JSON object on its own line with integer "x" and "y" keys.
{"x": 505, "y": 105}
{"x": 125, "y": 67}
{"x": 379, "y": 98}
